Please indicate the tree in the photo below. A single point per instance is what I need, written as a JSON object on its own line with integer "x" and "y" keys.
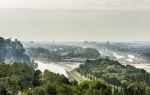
{"x": 64, "y": 90}
{"x": 136, "y": 89}
{"x": 85, "y": 85}
{"x": 39, "y": 91}
{"x": 51, "y": 89}
{"x": 3, "y": 90}
{"x": 100, "y": 88}
{"x": 37, "y": 78}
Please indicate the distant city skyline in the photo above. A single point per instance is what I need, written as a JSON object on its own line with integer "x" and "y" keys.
{"x": 75, "y": 20}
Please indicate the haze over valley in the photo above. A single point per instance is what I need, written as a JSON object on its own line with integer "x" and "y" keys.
{"x": 74, "y": 47}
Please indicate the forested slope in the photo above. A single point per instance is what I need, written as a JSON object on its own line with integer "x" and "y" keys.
{"x": 19, "y": 78}
{"x": 115, "y": 74}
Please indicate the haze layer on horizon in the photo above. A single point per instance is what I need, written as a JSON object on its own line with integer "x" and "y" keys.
{"x": 75, "y": 20}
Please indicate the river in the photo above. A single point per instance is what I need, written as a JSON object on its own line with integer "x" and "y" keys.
{"x": 51, "y": 67}
{"x": 57, "y": 67}
{"x": 131, "y": 60}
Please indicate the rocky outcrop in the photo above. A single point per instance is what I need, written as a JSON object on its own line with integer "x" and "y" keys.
{"x": 13, "y": 51}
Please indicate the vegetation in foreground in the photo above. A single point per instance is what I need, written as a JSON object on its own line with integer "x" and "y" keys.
{"x": 18, "y": 77}
{"x": 117, "y": 75}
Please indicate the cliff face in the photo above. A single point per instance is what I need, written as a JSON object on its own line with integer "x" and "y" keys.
{"x": 13, "y": 51}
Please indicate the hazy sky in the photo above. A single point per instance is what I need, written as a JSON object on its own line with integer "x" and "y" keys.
{"x": 75, "y": 20}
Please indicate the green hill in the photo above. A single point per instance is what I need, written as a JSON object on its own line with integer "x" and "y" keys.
{"x": 114, "y": 73}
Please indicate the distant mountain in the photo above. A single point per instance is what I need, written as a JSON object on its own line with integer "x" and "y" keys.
{"x": 13, "y": 51}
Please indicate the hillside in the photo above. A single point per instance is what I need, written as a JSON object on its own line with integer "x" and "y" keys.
{"x": 12, "y": 51}
{"x": 22, "y": 79}
{"x": 113, "y": 73}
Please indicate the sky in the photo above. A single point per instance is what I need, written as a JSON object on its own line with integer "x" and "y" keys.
{"x": 75, "y": 20}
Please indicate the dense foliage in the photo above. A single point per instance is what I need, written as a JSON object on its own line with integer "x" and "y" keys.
{"x": 55, "y": 84}
{"x": 19, "y": 77}
{"x": 58, "y": 55}
{"x": 119, "y": 76}
{"x": 14, "y": 78}
{"x": 38, "y": 52}
{"x": 84, "y": 53}
{"x": 44, "y": 53}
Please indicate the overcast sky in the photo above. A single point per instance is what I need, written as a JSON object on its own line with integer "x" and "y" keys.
{"x": 77, "y": 4}
{"x": 75, "y": 20}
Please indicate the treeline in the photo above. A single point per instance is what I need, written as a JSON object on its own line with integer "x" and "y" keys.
{"x": 120, "y": 77}
{"x": 88, "y": 53}
{"x": 19, "y": 78}
{"x": 55, "y": 84}
{"x": 14, "y": 78}
{"x": 58, "y": 55}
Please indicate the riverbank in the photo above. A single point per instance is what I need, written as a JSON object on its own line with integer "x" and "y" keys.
{"x": 130, "y": 59}
{"x": 42, "y": 66}
{"x": 65, "y": 68}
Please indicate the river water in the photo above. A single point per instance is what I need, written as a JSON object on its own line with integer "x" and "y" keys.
{"x": 131, "y": 60}
{"x": 51, "y": 67}
{"x": 63, "y": 67}
{"x": 57, "y": 67}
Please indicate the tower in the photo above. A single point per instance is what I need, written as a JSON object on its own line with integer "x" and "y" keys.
{"x": 53, "y": 43}
{"x": 107, "y": 47}
{"x": 107, "y": 52}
